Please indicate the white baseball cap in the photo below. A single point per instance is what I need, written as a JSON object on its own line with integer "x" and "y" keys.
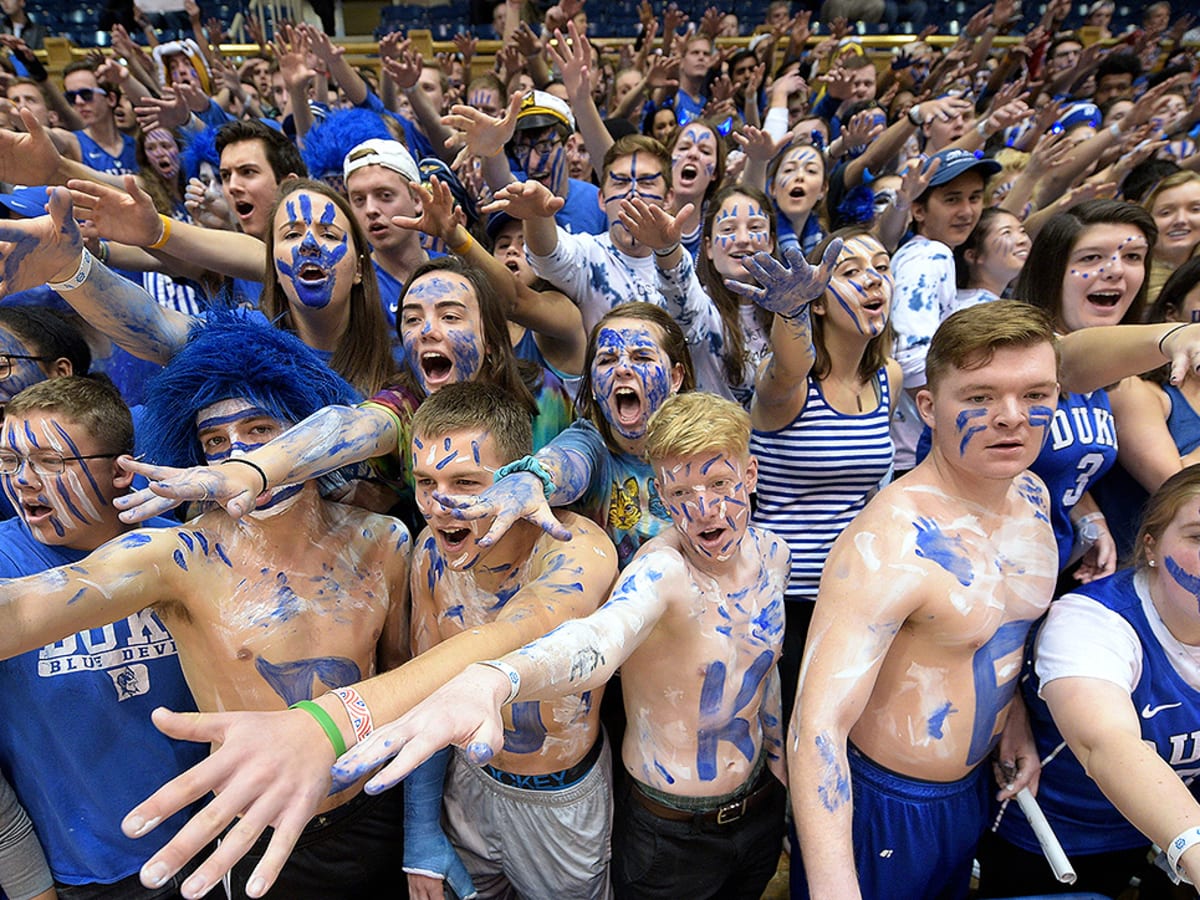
{"x": 378, "y": 152}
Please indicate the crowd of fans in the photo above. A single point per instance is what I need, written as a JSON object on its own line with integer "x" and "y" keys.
{"x": 385, "y": 257}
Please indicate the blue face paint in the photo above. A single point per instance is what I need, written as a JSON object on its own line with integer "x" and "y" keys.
{"x": 313, "y": 265}
{"x": 546, "y": 165}
{"x": 218, "y": 421}
{"x": 701, "y": 141}
{"x": 441, "y": 331}
{"x": 1183, "y": 578}
{"x": 963, "y": 423}
{"x": 66, "y": 502}
{"x": 947, "y": 552}
{"x": 25, "y": 372}
{"x": 649, "y": 186}
{"x": 635, "y": 354}
{"x": 1040, "y": 416}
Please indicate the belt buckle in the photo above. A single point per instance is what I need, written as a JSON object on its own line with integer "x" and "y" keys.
{"x": 731, "y": 812}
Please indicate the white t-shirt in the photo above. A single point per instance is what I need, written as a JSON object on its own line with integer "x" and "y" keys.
{"x": 1083, "y": 638}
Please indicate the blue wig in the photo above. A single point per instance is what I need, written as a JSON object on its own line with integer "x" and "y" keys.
{"x": 201, "y": 147}
{"x": 327, "y": 143}
{"x": 857, "y": 208}
{"x": 228, "y": 358}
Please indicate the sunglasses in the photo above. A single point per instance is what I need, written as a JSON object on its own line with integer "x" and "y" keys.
{"x": 84, "y": 94}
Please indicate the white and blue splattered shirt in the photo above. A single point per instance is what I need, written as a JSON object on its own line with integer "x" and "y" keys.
{"x": 596, "y": 275}
{"x": 925, "y": 294}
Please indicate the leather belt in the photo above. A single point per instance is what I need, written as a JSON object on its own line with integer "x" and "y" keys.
{"x": 725, "y": 814}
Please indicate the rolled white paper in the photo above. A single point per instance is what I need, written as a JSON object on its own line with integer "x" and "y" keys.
{"x": 1051, "y": 848}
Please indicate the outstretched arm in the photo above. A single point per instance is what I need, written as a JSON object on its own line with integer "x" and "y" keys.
{"x": 485, "y": 136}
{"x": 1093, "y": 358}
{"x": 572, "y": 62}
{"x": 1102, "y": 729}
{"x": 330, "y": 438}
{"x": 548, "y": 313}
{"x": 50, "y": 249}
{"x": 581, "y": 654}
{"x": 405, "y": 72}
{"x": 786, "y": 289}
{"x": 123, "y": 576}
{"x": 129, "y": 216}
{"x": 273, "y": 769}
{"x": 569, "y": 461}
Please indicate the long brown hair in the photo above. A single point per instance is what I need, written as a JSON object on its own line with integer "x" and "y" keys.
{"x": 500, "y": 366}
{"x": 875, "y": 356}
{"x": 728, "y": 303}
{"x": 1041, "y": 280}
{"x": 673, "y": 342}
{"x": 363, "y": 355}
{"x": 163, "y": 193}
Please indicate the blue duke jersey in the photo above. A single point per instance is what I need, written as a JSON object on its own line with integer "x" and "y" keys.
{"x": 101, "y": 160}
{"x": 1081, "y": 446}
{"x": 78, "y": 745}
{"x": 1107, "y": 629}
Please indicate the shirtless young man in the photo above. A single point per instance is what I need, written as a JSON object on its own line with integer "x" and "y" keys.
{"x": 695, "y": 624}
{"x": 916, "y": 643}
{"x": 538, "y": 817}
{"x": 272, "y": 609}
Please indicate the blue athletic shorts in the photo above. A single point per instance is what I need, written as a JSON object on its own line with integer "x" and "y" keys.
{"x": 912, "y": 839}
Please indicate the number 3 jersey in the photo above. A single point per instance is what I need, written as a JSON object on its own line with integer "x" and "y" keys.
{"x": 1080, "y": 447}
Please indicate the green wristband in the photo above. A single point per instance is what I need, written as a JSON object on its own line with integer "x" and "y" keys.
{"x": 326, "y": 722}
{"x": 531, "y": 465}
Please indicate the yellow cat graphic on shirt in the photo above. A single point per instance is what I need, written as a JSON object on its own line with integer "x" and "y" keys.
{"x": 624, "y": 512}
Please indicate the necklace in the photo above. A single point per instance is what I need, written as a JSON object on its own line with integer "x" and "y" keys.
{"x": 855, "y": 386}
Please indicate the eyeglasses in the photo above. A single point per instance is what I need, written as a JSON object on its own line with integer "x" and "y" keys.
{"x": 6, "y": 366}
{"x": 43, "y": 463}
{"x": 522, "y": 151}
{"x": 84, "y": 94}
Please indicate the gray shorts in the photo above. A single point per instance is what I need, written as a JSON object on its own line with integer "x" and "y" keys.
{"x": 533, "y": 844}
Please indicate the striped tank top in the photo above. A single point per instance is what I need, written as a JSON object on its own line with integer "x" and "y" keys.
{"x": 815, "y": 475}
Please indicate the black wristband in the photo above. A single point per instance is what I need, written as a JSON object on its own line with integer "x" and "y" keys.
{"x": 255, "y": 466}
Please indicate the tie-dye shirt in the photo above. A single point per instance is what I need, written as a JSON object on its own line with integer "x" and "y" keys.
{"x": 620, "y": 497}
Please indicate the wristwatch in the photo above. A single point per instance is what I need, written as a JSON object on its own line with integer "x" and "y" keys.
{"x": 914, "y": 115}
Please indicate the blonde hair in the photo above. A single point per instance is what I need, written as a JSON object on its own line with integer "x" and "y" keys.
{"x": 970, "y": 337}
{"x": 1174, "y": 180}
{"x": 1162, "y": 508}
{"x": 696, "y": 422}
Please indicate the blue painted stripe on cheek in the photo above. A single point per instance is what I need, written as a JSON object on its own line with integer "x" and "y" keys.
{"x": 83, "y": 463}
